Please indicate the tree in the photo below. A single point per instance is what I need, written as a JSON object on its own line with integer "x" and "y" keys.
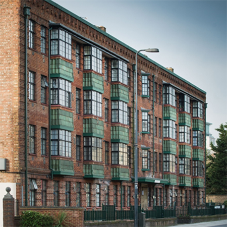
{"x": 216, "y": 169}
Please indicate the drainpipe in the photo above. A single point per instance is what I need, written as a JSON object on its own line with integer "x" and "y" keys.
{"x": 153, "y": 121}
{"x": 26, "y": 14}
{"x": 121, "y": 195}
{"x": 49, "y": 90}
{"x": 205, "y": 150}
{"x": 163, "y": 146}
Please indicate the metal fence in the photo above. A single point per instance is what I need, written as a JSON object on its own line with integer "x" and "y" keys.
{"x": 109, "y": 212}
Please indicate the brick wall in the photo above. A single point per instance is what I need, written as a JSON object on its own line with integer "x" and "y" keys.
{"x": 216, "y": 198}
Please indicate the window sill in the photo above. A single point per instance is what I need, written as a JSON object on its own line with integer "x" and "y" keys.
{"x": 145, "y": 132}
{"x": 145, "y": 96}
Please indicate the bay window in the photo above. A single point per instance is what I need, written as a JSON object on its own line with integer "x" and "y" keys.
{"x": 93, "y": 103}
{"x": 169, "y": 163}
{"x": 61, "y": 92}
{"x": 184, "y": 103}
{"x": 169, "y": 95}
{"x": 92, "y": 59}
{"x": 169, "y": 129}
{"x": 184, "y": 134}
{"x": 185, "y": 166}
{"x": 119, "y": 71}
{"x": 119, "y": 154}
{"x": 119, "y": 112}
{"x": 61, "y": 143}
{"x": 197, "y": 139}
{"x": 61, "y": 43}
{"x": 198, "y": 168}
{"x": 92, "y": 149}
{"x": 197, "y": 109}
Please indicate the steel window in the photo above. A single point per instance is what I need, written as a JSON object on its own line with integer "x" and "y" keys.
{"x": 145, "y": 122}
{"x": 61, "y": 43}
{"x": 119, "y": 71}
{"x": 43, "y": 140}
{"x": 198, "y": 168}
{"x": 33, "y": 188}
{"x": 184, "y": 134}
{"x": 98, "y": 195}
{"x": 31, "y": 139}
{"x": 106, "y": 68}
{"x": 169, "y": 163}
{"x": 92, "y": 59}
{"x": 106, "y": 153}
{"x": 31, "y": 26}
{"x": 92, "y": 149}
{"x": 43, "y": 89}
{"x": 43, "y": 39}
{"x": 119, "y": 112}
{"x": 197, "y": 138}
{"x": 78, "y": 194}
{"x": 88, "y": 194}
{"x": 93, "y": 103}
{"x": 106, "y": 110}
{"x": 67, "y": 193}
{"x": 145, "y": 86}
{"x": 184, "y": 103}
{"x": 44, "y": 193}
{"x": 78, "y": 147}
{"x": 145, "y": 159}
{"x": 119, "y": 154}
{"x": 169, "y": 95}
{"x": 197, "y": 109}
{"x": 31, "y": 81}
{"x": 61, "y": 143}
{"x": 60, "y": 92}
{"x": 169, "y": 129}
{"x": 56, "y": 193}
{"x": 77, "y": 100}
{"x": 77, "y": 56}
{"x": 185, "y": 166}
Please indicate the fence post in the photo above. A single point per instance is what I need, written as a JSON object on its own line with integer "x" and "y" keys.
{"x": 8, "y": 209}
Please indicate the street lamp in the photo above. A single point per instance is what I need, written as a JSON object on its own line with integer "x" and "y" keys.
{"x": 155, "y": 50}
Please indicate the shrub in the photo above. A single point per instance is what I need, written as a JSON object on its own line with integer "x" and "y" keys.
{"x": 225, "y": 203}
{"x": 60, "y": 220}
{"x": 35, "y": 219}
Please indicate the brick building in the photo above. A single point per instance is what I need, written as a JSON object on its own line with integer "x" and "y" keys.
{"x": 80, "y": 93}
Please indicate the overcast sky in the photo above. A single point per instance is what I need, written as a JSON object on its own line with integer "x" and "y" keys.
{"x": 190, "y": 34}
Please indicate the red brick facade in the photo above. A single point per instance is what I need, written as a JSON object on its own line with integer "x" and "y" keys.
{"x": 12, "y": 111}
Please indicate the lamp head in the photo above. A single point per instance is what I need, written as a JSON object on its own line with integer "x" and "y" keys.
{"x": 152, "y": 50}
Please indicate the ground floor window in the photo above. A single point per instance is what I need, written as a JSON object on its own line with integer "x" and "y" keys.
{"x": 78, "y": 194}
{"x": 88, "y": 194}
{"x": 33, "y": 188}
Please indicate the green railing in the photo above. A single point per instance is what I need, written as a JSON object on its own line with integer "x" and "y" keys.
{"x": 109, "y": 212}
{"x": 125, "y": 214}
{"x": 95, "y": 215}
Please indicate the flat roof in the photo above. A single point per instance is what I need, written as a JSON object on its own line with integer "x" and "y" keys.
{"x": 120, "y": 42}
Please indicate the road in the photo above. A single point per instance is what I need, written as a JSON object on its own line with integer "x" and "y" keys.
{"x": 222, "y": 223}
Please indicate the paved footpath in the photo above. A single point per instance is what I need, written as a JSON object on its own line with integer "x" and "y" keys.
{"x": 222, "y": 223}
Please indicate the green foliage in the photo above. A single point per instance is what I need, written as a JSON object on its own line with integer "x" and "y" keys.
{"x": 60, "y": 220}
{"x": 216, "y": 168}
{"x": 225, "y": 203}
{"x": 35, "y": 219}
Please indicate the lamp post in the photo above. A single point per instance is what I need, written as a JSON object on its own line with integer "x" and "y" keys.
{"x": 136, "y": 141}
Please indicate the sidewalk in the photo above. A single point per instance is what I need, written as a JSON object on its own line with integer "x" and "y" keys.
{"x": 221, "y": 223}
